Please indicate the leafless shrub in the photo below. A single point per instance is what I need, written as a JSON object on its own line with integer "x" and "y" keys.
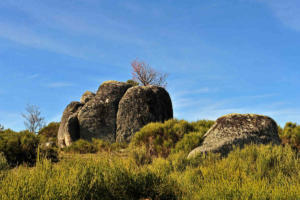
{"x": 33, "y": 120}
{"x": 146, "y": 75}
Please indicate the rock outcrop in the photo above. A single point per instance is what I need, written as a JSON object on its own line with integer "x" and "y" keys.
{"x": 69, "y": 128}
{"x": 97, "y": 118}
{"x": 114, "y": 113}
{"x": 238, "y": 130}
{"x": 87, "y": 96}
{"x": 139, "y": 106}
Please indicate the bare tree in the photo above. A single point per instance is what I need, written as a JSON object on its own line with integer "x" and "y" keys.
{"x": 146, "y": 75}
{"x": 33, "y": 120}
{"x": 1, "y": 128}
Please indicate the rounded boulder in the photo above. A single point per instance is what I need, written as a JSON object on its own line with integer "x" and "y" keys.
{"x": 139, "y": 106}
{"x": 237, "y": 130}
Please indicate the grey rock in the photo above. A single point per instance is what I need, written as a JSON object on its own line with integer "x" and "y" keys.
{"x": 139, "y": 106}
{"x": 237, "y": 130}
{"x": 87, "y": 96}
{"x": 97, "y": 118}
{"x": 69, "y": 128}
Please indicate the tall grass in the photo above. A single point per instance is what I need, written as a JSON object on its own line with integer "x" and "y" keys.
{"x": 87, "y": 178}
{"x": 115, "y": 171}
{"x": 255, "y": 172}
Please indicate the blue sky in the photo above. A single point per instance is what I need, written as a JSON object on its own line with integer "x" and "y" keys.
{"x": 222, "y": 56}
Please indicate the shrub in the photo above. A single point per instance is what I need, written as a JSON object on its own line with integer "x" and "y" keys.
{"x": 189, "y": 142}
{"x": 104, "y": 178}
{"x": 47, "y": 152}
{"x": 50, "y": 131}
{"x": 3, "y": 162}
{"x": 132, "y": 82}
{"x": 81, "y": 146}
{"x": 19, "y": 147}
{"x": 202, "y": 126}
{"x": 140, "y": 156}
{"x": 159, "y": 138}
{"x": 291, "y": 135}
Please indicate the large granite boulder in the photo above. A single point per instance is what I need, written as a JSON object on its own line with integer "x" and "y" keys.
{"x": 139, "y": 106}
{"x": 69, "y": 128}
{"x": 97, "y": 118}
{"x": 237, "y": 130}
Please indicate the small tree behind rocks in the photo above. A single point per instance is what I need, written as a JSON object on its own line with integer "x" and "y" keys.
{"x": 33, "y": 119}
{"x": 1, "y": 127}
{"x": 146, "y": 75}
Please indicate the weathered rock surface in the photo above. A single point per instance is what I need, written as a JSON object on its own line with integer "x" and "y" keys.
{"x": 139, "y": 106}
{"x": 97, "y": 118}
{"x": 69, "y": 128}
{"x": 87, "y": 96}
{"x": 237, "y": 129}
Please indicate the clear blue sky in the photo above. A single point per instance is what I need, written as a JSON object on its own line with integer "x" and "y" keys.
{"x": 222, "y": 56}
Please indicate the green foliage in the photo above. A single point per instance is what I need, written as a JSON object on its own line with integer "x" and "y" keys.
{"x": 18, "y": 147}
{"x": 104, "y": 178}
{"x": 81, "y": 146}
{"x": 3, "y": 162}
{"x": 159, "y": 138}
{"x": 50, "y": 131}
{"x": 96, "y": 145}
{"x": 132, "y": 82}
{"x": 189, "y": 142}
{"x": 151, "y": 168}
{"x": 140, "y": 156}
{"x": 290, "y": 134}
{"x": 48, "y": 152}
{"x": 254, "y": 172}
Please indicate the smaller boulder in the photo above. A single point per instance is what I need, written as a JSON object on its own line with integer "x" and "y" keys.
{"x": 237, "y": 130}
{"x": 87, "y": 96}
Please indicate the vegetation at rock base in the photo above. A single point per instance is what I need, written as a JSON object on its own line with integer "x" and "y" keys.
{"x": 159, "y": 138}
{"x": 149, "y": 168}
{"x": 290, "y": 134}
{"x": 18, "y": 147}
{"x": 24, "y": 147}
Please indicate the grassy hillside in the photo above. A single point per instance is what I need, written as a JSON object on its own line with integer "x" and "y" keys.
{"x": 154, "y": 166}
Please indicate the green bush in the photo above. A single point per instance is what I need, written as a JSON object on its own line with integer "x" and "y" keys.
{"x": 140, "y": 156}
{"x": 202, "y": 126}
{"x": 81, "y": 146}
{"x": 18, "y": 147}
{"x": 189, "y": 142}
{"x": 290, "y": 134}
{"x": 50, "y": 130}
{"x": 48, "y": 152}
{"x": 255, "y": 172}
{"x": 132, "y": 82}
{"x": 3, "y": 162}
{"x": 96, "y": 145}
{"x": 160, "y": 138}
{"x": 105, "y": 178}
